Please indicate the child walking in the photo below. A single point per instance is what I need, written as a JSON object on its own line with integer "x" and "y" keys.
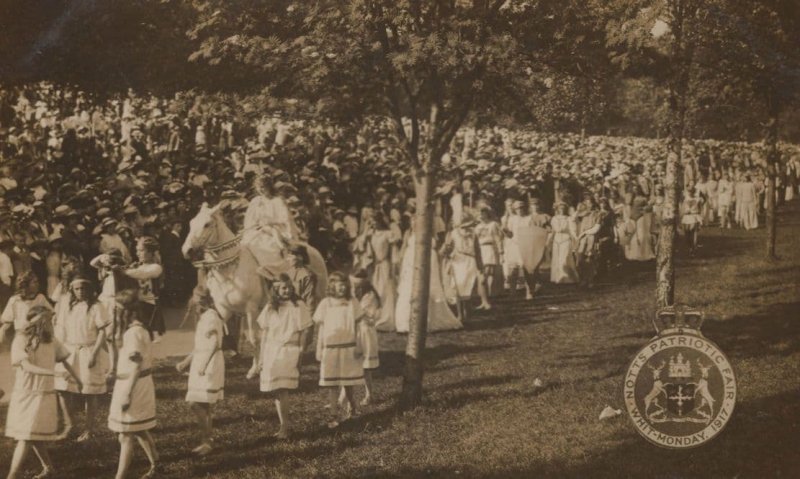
{"x": 81, "y": 328}
{"x": 367, "y": 334}
{"x": 26, "y": 297}
{"x": 337, "y": 345}
{"x": 285, "y": 322}
{"x": 36, "y": 414}
{"x": 133, "y": 403}
{"x": 207, "y": 370}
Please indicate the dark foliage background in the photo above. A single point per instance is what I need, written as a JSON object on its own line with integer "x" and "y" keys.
{"x": 151, "y": 45}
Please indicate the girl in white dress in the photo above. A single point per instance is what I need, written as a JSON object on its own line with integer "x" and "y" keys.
{"x": 337, "y": 345}
{"x": 206, "y": 365}
{"x": 367, "y": 335}
{"x": 490, "y": 238}
{"x": 133, "y": 403}
{"x": 36, "y": 414}
{"x": 81, "y": 330}
{"x": 27, "y": 297}
{"x": 285, "y": 322}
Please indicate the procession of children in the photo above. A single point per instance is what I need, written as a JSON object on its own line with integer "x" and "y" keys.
{"x": 61, "y": 357}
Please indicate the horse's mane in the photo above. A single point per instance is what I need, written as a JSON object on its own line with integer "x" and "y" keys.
{"x": 229, "y": 219}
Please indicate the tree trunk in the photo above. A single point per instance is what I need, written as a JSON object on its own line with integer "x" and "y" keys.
{"x": 772, "y": 163}
{"x": 682, "y": 12}
{"x": 665, "y": 257}
{"x": 411, "y": 394}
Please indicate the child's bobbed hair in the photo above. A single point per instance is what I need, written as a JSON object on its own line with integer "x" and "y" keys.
{"x": 338, "y": 277}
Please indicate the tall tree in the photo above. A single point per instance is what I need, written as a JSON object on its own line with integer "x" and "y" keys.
{"x": 425, "y": 65}
{"x": 757, "y": 47}
{"x": 659, "y": 38}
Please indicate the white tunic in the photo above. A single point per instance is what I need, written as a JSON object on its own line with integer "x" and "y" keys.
{"x": 78, "y": 330}
{"x": 382, "y": 279}
{"x": 17, "y": 310}
{"x": 268, "y": 224}
{"x": 280, "y": 346}
{"x": 207, "y": 371}
{"x": 337, "y": 350}
{"x": 34, "y": 411}
{"x": 141, "y": 415}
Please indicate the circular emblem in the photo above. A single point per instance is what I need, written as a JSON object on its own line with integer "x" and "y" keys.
{"x": 680, "y": 390}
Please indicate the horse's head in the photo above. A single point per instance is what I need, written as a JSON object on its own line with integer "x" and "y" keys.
{"x": 203, "y": 230}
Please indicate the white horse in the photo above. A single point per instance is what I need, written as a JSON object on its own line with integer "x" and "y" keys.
{"x": 232, "y": 275}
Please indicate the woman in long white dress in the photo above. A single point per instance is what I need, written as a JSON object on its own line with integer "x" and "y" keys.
{"x": 268, "y": 227}
{"x": 440, "y": 317}
{"x": 749, "y": 203}
{"x": 379, "y": 243}
{"x": 640, "y": 220}
{"x": 562, "y": 265}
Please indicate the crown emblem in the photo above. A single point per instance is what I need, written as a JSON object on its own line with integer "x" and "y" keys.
{"x": 678, "y": 368}
{"x": 678, "y": 317}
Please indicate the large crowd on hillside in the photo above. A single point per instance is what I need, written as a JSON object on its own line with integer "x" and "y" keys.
{"x": 96, "y": 192}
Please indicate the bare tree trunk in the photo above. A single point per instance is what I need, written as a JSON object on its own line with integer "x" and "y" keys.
{"x": 673, "y": 179}
{"x": 411, "y": 394}
{"x": 772, "y": 164}
{"x": 665, "y": 257}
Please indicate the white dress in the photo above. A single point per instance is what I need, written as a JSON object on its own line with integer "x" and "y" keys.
{"x": 749, "y": 205}
{"x": 528, "y": 241}
{"x": 440, "y": 317}
{"x": 337, "y": 350}
{"x": 490, "y": 239}
{"x": 77, "y": 330}
{"x": 34, "y": 411}
{"x": 367, "y": 334}
{"x": 141, "y": 415}
{"x": 464, "y": 262}
{"x": 16, "y": 311}
{"x": 562, "y": 264}
{"x": 280, "y": 346}
{"x": 382, "y": 279}
{"x": 268, "y": 224}
{"x": 207, "y": 371}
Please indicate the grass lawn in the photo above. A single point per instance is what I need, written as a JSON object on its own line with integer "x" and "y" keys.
{"x": 483, "y": 415}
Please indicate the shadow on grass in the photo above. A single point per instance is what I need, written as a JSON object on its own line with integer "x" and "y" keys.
{"x": 774, "y": 420}
{"x": 392, "y": 362}
{"x": 774, "y": 329}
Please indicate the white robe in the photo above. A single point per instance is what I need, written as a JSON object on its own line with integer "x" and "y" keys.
{"x": 440, "y": 317}
{"x": 268, "y": 226}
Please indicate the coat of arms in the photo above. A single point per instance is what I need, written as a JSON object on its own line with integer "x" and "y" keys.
{"x": 680, "y": 389}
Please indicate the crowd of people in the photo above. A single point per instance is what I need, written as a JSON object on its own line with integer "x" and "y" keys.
{"x": 97, "y": 197}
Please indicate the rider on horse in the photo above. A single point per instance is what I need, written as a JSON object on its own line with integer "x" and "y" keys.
{"x": 269, "y": 227}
